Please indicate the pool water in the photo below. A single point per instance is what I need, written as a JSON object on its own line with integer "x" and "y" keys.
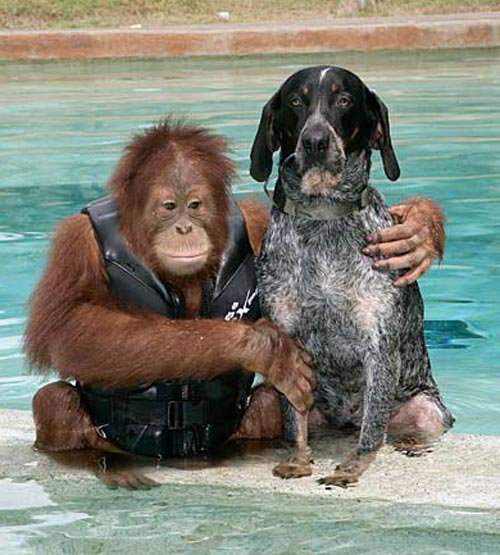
{"x": 64, "y": 518}
{"x": 62, "y": 128}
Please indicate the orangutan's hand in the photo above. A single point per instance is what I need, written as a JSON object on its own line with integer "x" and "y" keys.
{"x": 277, "y": 357}
{"x": 413, "y": 242}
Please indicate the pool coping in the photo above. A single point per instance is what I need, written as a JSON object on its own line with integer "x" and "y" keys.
{"x": 463, "y": 30}
{"x": 458, "y": 473}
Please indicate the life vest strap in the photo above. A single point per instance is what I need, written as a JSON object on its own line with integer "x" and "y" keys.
{"x": 168, "y": 419}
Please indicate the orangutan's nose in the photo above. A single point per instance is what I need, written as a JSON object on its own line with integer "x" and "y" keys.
{"x": 184, "y": 228}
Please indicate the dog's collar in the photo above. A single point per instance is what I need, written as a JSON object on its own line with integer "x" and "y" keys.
{"x": 330, "y": 212}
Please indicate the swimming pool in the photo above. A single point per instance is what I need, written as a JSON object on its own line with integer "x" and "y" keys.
{"x": 63, "y": 126}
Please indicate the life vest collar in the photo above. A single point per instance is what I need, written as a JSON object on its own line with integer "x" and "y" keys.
{"x": 233, "y": 295}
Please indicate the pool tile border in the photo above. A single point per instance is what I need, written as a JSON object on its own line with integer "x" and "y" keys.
{"x": 422, "y": 32}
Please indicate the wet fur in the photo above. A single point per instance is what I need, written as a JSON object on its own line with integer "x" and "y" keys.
{"x": 79, "y": 329}
{"x": 365, "y": 336}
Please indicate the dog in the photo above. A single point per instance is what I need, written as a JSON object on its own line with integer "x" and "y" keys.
{"x": 364, "y": 335}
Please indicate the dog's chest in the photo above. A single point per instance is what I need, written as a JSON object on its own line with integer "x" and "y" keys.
{"x": 314, "y": 272}
{"x": 317, "y": 286}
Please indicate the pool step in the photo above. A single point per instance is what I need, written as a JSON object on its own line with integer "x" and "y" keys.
{"x": 462, "y": 471}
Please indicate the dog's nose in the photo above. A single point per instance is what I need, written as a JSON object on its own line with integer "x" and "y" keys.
{"x": 316, "y": 141}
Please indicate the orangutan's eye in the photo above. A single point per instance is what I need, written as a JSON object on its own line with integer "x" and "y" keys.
{"x": 194, "y": 205}
{"x": 296, "y": 102}
{"x": 169, "y": 205}
{"x": 344, "y": 102}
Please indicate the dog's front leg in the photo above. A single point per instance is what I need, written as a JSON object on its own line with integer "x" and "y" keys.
{"x": 295, "y": 430}
{"x": 281, "y": 306}
{"x": 382, "y": 376}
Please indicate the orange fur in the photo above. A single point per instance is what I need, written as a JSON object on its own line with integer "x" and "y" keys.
{"x": 257, "y": 220}
{"x": 430, "y": 217}
{"x": 77, "y": 328}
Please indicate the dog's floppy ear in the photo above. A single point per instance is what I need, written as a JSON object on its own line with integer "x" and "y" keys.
{"x": 267, "y": 140}
{"x": 381, "y": 137}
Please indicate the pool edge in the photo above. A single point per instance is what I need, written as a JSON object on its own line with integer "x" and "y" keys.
{"x": 465, "y": 30}
{"x": 459, "y": 473}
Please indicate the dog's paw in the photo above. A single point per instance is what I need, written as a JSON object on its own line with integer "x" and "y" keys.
{"x": 347, "y": 473}
{"x": 412, "y": 448}
{"x": 292, "y": 470}
{"x": 418, "y": 451}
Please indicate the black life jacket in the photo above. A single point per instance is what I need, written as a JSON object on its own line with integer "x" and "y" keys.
{"x": 182, "y": 417}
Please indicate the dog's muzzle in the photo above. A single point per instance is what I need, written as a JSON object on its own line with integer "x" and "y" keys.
{"x": 316, "y": 141}
{"x": 296, "y": 208}
{"x": 319, "y": 146}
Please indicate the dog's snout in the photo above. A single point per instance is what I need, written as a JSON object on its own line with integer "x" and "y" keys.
{"x": 316, "y": 141}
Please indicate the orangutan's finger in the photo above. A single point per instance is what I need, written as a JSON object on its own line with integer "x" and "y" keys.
{"x": 305, "y": 370}
{"x": 409, "y": 260}
{"x": 393, "y": 233}
{"x": 394, "y": 247}
{"x": 300, "y": 395}
{"x": 306, "y": 357}
{"x": 414, "y": 274}
{"x": 399, "y": 211}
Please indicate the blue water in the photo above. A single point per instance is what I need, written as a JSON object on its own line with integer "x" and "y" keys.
{"x": 63, "y": 126}
{"x": 85, "y": 519}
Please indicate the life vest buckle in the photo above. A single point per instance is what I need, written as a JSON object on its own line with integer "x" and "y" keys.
{"x": 182, "y": 415}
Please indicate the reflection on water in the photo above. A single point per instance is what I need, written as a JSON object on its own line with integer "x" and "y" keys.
{"x": 63, "y": 125}
{"x": 448, "y": 334}
{"x": 208, "y": 520}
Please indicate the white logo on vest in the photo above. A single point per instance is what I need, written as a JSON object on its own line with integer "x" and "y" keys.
{"x": 237, "y": 312}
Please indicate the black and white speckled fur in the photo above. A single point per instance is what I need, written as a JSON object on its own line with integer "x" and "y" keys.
{"x": 365, "y": 336}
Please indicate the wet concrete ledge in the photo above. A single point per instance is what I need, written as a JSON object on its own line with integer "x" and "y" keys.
{"x": 445, "y": 31}
{"x": 462, "y": 471}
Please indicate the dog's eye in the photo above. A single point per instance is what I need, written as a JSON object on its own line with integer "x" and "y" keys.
{"x": 295, "y": 102}
{"x": 344, "y": 102}
{"x": 169, "y": 205}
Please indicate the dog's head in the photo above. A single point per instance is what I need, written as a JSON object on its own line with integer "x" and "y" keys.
{"x": 322, "y": 114}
